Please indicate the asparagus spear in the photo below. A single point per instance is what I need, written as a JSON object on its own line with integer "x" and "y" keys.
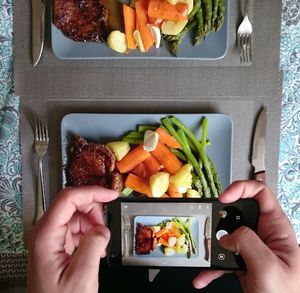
{"x": 207, "y": 7}
{"x": 201, "y": 151}
{"x": 216, "y": 177}
{"x": 215, "y": 13}
{"x": 220, "y": 17}
{"x": 194, "y": 162}
{"x": 179, "y": 37}
{"x": 199, "y": 34}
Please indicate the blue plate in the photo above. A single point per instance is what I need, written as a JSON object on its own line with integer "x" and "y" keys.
{"x": 103, "y": 128}
{"x": 214, "y": 47}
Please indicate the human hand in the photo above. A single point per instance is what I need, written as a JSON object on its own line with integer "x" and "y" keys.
{"x": 67, "y": 243}
{"x": 272, "y": 256}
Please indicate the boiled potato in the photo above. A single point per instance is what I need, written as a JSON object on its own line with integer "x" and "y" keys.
{"x": 171, "y": 27}
{"x": 192, "y": 193}
{"x": 159, "y": 183}
{"x": 119, "y": 148}
{"x": 182, "y": 179}
{"x": 116, "y": 40}
{"x": 190, "y": 4}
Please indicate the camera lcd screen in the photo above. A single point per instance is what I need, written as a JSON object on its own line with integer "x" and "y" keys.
{"x": 166, "y": 234}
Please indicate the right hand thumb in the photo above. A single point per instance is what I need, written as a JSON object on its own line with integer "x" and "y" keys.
{"x": 247, "y": 243}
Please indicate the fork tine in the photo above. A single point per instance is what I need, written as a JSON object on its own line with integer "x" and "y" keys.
{"x": 46, "y": 133}
{"x": 36, "y": 134}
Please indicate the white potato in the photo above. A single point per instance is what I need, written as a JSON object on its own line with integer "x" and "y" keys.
{"x": 190, "y": 4}
{"x": 116, "y": 40}
{"x": 170, "y": 27}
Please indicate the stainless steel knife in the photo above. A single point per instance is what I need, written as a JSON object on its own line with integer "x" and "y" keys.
{"x": 207, "y": 236}
{"x": 38, "y": 11}
{"x": 259, "y": 146}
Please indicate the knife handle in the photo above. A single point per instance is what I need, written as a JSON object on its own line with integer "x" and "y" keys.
{"x": 38, "y": 12}
{"x": 261, "y": 176}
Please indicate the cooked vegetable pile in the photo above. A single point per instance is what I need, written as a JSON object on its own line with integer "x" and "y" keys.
{"x": 166, "y": 160}
{"x": 173, "y": 236}
{"x": 146, "y": 22}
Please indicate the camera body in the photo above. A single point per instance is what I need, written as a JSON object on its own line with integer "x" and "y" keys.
{"x": 156, "y": 233}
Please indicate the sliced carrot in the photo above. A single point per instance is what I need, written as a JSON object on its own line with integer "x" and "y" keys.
{"x": 130, "y": 24}
{"x": 174, "y": 232}
{"x": 161, "y": 232}
{"x": 146, "y": 35}
{"x": 140, "y": 170}
{"x": 138, "y": 184}
{"x": 152, "y": 165}
{"x": 173, "y": 191}
{"x": 166, "y": 158}
{"x": 132, "y": 159}
{"x": 162, "y": 9}
{"x": 163, "y": 241}
{"x": 167, "y": 139}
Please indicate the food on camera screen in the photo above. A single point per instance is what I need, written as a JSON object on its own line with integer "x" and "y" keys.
{"x": 173, "y": 237}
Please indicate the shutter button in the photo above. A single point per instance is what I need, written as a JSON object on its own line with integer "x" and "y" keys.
{"x": 221, "y": 233}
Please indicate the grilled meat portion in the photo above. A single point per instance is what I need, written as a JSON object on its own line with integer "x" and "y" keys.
{"x": 144, "y": 239}
{"x": 92, "y": 164}
{"x": 81, "y": 20}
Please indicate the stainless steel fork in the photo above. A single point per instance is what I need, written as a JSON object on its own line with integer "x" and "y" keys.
{"x": 244, "y": 35}
{"x": 41, "y": 142}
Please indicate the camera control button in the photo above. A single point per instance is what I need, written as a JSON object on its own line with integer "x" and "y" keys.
{"x": 221, "y": 256}
{"x": 221, "y": 233}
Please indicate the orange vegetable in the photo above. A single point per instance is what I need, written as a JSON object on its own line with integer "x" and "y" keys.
{"x": 130, "y": 24}
{"x": 170, "y": 162}
{"x": 167, "y": 139}
{"x": 163, "y": 241}
{"x": 152, "y": 165}
{"x": 140, "y": 170}
{"x": 161, "y": 232}
{"x": 132, "y": 159}
{"x": 174, "y": 232}
{"x": 173, "y": 191}
{"x": 146, "y": 34}
{"x": 162, "y": 9}
{"x": 138, "y": 184}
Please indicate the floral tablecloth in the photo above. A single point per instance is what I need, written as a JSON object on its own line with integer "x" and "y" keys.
{"x": 10, "y": 158}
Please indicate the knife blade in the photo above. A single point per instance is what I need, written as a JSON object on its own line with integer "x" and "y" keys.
{"x": 259, "y": 146}
{"x": 207, "y": 236}
{"x": 38, "y": 11}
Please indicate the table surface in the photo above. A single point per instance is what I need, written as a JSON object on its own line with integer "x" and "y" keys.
{"x": 288, "y": 186}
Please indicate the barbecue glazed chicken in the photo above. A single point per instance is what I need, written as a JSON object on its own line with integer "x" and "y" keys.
{"x": 92, "y": 164}
{"x": 81, "y": 20}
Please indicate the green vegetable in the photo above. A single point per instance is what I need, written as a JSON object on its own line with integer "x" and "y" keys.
{"x": 199, "y": 34}
{"x": 201, "y": 150}
{"x": 132, "y": 140}
{"x": 135, "y": 134}
{"x": 143, "y": 128}
{"x": 207, "y": 9}
{"x": 126, "y": 191}
{"x": 215, "y": 13}
{"x": 220, "y": 17}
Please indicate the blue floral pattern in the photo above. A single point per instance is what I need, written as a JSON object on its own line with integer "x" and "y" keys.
{"x": 289, "y": 158}
{"x": 11, "y": 224}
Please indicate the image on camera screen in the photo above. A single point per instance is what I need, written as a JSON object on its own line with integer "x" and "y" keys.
{"x": 166, "y": 234}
